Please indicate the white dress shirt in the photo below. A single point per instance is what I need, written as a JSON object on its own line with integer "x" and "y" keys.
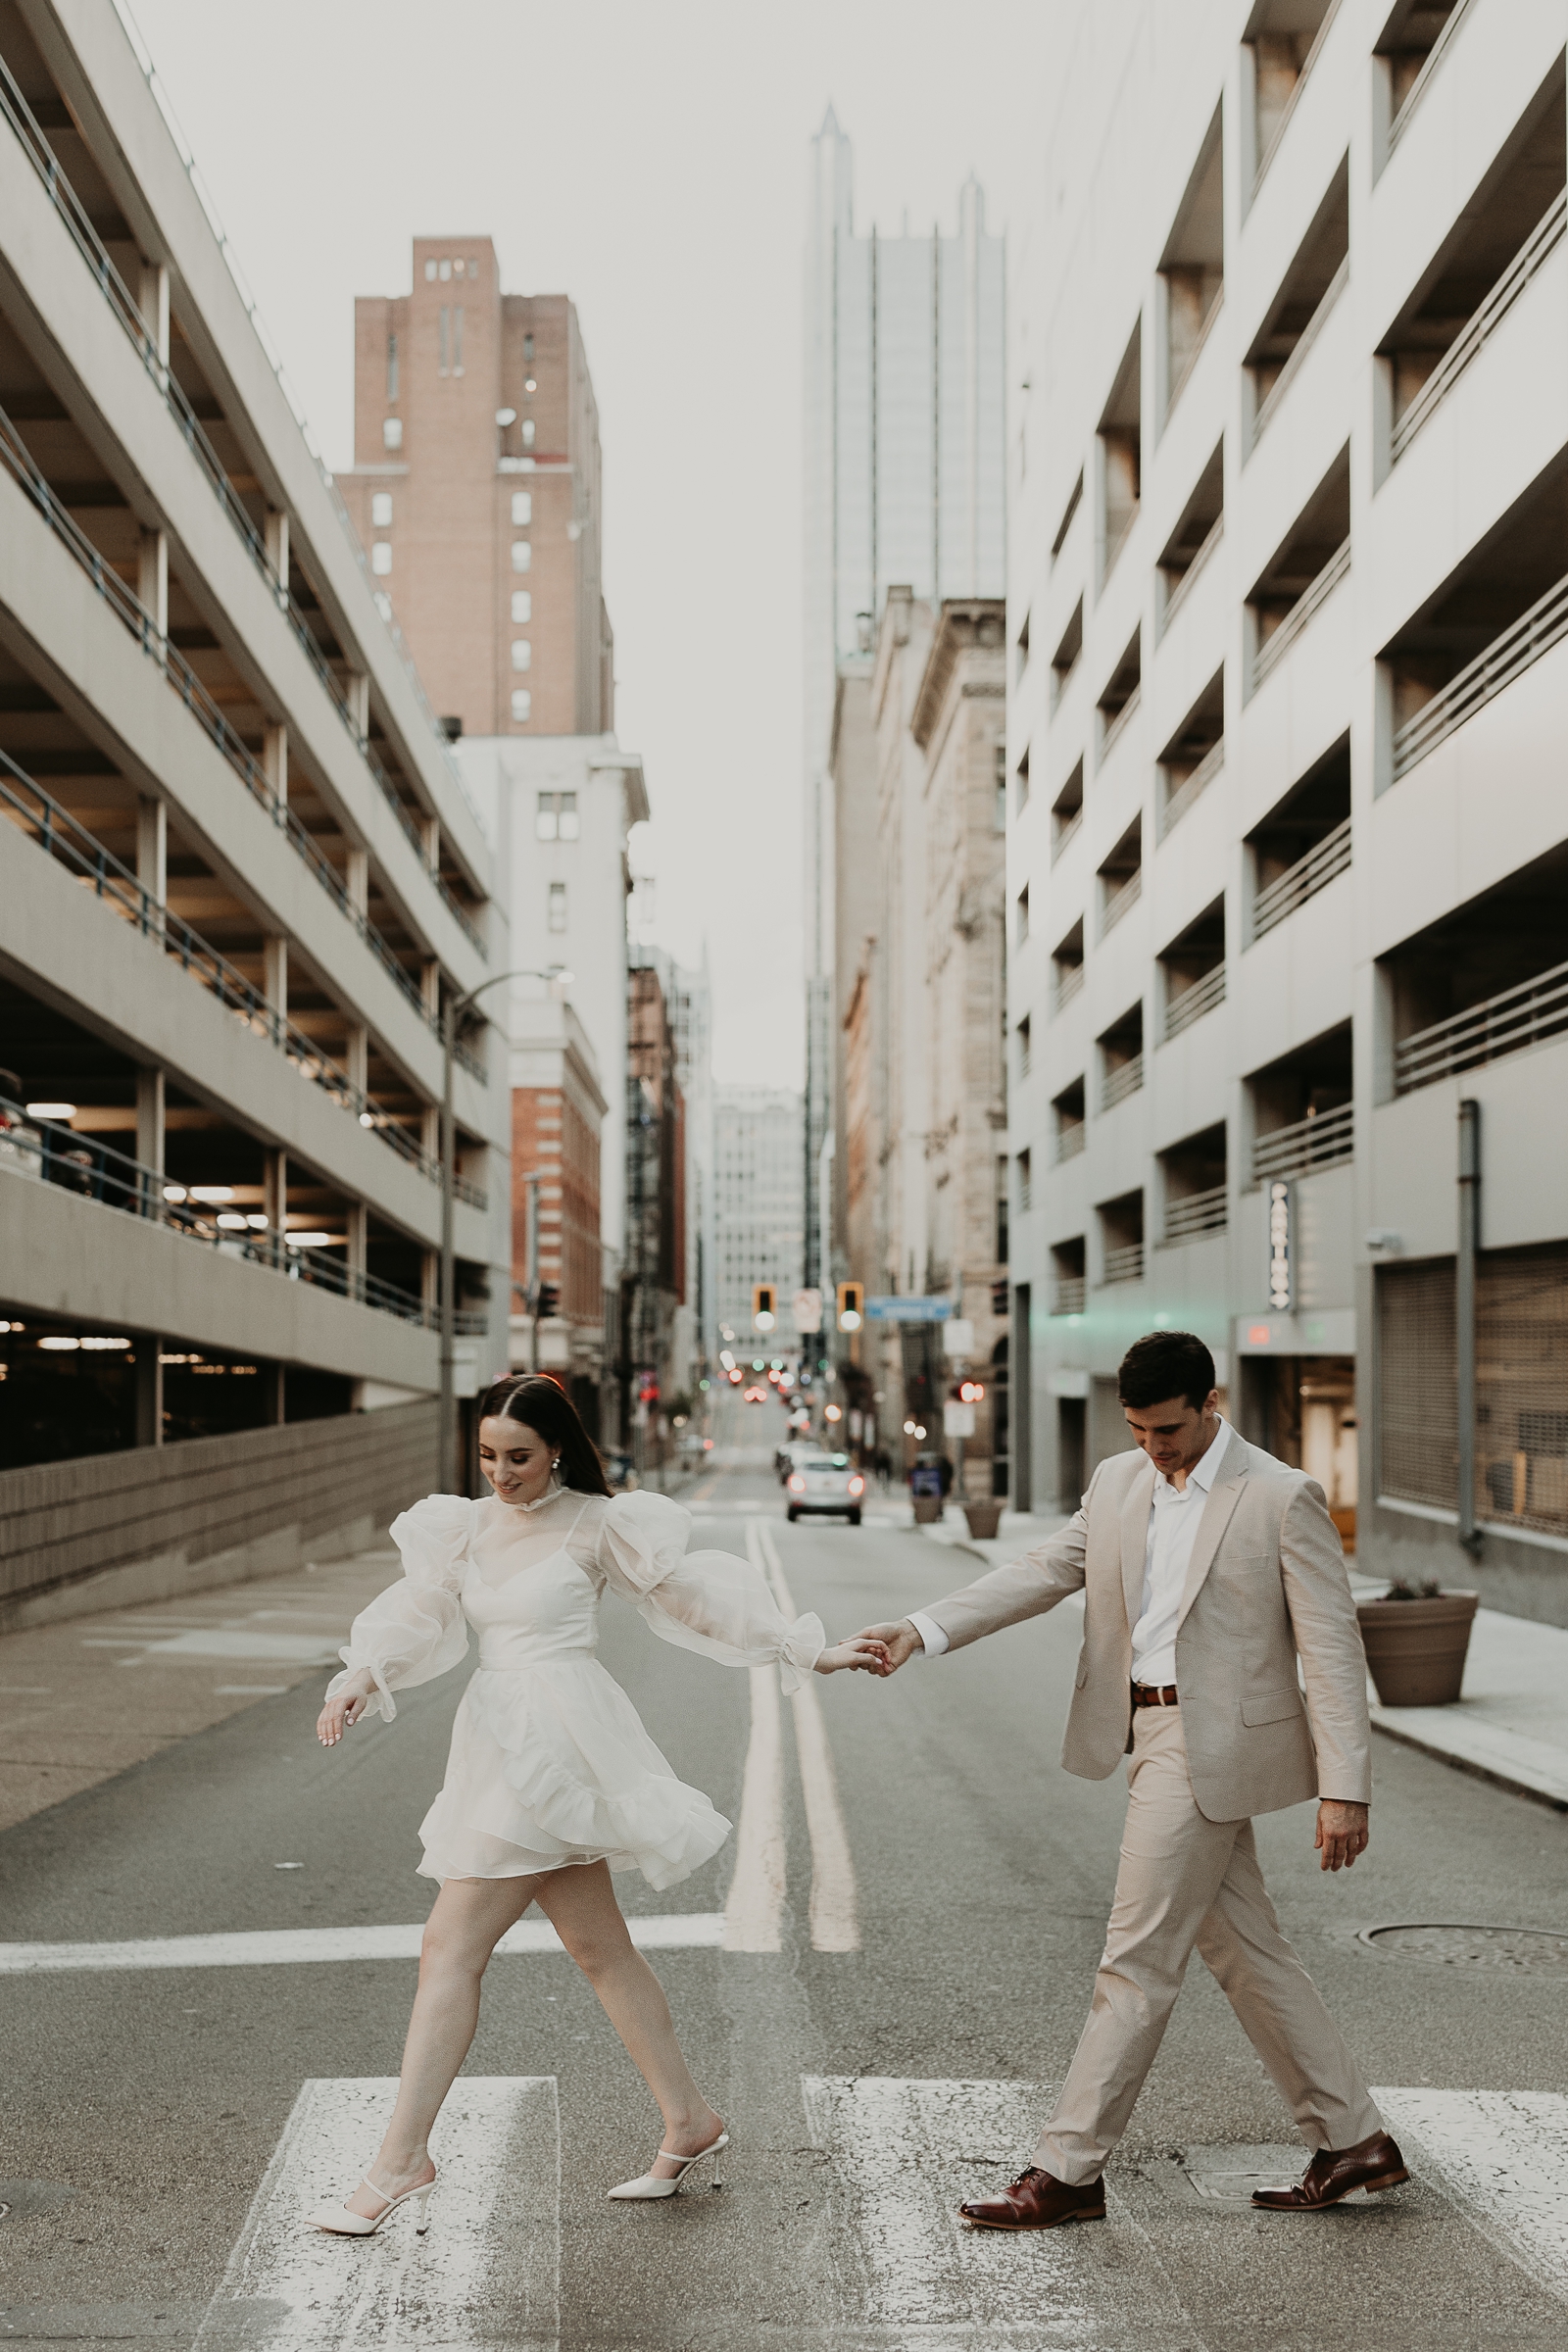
{"x": 1173, "y": 1519}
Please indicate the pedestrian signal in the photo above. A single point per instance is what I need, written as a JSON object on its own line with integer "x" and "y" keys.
{"x": 852, "y": 1302}
{"x": 549, "y": 1301}
{"x": 764, "y": 1305}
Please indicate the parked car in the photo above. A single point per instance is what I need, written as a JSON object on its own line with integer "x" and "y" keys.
{"x": 825, "y": 1485}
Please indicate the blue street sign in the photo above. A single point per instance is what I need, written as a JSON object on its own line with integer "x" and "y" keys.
{"x": 908, "y": 1310}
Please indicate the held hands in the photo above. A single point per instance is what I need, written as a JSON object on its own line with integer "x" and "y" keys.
{"x": 340, "y": 1714}
{"x": 862, "y": 1651}
{"x": 1342, "y": 1833}
{"x": 898, "y": 1642}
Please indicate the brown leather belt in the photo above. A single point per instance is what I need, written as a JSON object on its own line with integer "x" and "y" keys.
{"x": 1154, "y": 1695}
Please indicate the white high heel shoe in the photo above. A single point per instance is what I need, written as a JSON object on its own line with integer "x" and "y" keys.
{"x": 649, "y": 2184}
{"x": 344, "y": 2224}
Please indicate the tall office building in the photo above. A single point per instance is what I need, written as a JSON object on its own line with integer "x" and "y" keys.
{"x": 475, "y": 485}
{"x": 904, "y": 484}
{"x": 757, "y": 1203}
{"x": 241, "y": 882}
{"x": 1288, "y": 842}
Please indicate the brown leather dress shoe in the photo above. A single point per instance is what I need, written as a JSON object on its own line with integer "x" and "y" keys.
{"x": 1037, "y": 2200}
{"x": 1333, "y": 2172}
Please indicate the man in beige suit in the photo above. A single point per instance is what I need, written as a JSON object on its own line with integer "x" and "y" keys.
{"x": 1207, "y": 1568}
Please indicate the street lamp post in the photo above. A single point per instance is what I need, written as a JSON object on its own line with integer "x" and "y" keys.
{"x": 456, "y": 1008}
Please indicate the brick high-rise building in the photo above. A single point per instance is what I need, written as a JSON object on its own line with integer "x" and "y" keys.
{"x": 475, "y": 487}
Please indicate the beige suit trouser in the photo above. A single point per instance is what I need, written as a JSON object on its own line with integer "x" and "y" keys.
{"x": 1185, "y": 1881}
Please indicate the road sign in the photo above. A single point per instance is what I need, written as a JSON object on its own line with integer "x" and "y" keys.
{"x": 807, "y": 1308}
{"x": 957, "y": 1336}
{"x": 908, "y": 1310}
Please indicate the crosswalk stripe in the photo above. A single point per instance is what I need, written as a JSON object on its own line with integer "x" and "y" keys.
{"x": 1502, "y": 2157}
{"x": 272, "y": 1948}
{"x": 907, "y": 2151}
{"x": 835, "y": 1921}
{"x": 487, "y": 2273}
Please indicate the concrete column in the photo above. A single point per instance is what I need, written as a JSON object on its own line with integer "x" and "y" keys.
{"x": 152, "y": 296}
{"x": 430, "y": 1131}
{"x": 276, "y": 530}
{"x": 152, "y": 856}
{"x": 357, "y": 690}
{"x": 358, "y": 878}
{"x": 358, "y": 1057}
{"x": 275, "y": 760}
{"x": 430, "y": 987}
{"x": 359, "y": 1222}
{"x": 149, "y": 1389}
{"x": 274, "y": 1380}
{"x": 274, "y": 981}
{"x": 274, "y": 1197}
{"x": 430, "y": 834}
{"x": 430, "y": 1280}
{"x": 150, "y": 1136}
{"x": 152, "y": 581}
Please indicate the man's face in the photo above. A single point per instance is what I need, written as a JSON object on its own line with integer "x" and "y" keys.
{"x": 1175, "y": 1435}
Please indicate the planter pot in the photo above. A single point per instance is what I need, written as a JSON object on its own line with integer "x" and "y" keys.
{"x": 928, "y": 1509}
{"x": 984, "y": 1519}
{"x": 1416, "y": 1649}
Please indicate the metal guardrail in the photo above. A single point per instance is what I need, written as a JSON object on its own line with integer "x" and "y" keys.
{"x": 1119, "y": 1083}
{"x": 133, "y": 616}
{"x": 1269, "y": 406}
{"x": 1125, "y": 1264}
{"x": 1069, "y": 980}
{"x": 1303, "y": 880}
{"x": 126, "y": 312}
{"x": 1192, "y": 1002}
{"x": 1069, "y": 1296}
{"x": 1116, "y": 905}
{"x": 1317, "y": 592}
{"x": 1474, "y": 336}
{"x": 1194, "y": 1214}
{"x": 1175, "y": 596}
{"x": 1191, "y": 787}
{"x": 1115, "y": 725}
{"x": 1517, "y": 1017}
{"x": 1496, "y": 666}
{"x": 48, "y": 1151}
{"x": 1326, "y": 1140}
{"x": 1070, "y": 1141}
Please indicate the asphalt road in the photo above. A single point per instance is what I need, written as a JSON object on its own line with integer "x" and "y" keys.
{"x": 866, "y": 2088}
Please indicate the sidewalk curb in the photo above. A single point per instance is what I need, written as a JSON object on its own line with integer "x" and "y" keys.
{"x": 1494, "y": 1772}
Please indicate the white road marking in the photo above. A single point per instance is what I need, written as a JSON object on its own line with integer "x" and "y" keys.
{"x": 906, "y": 2153}
{"x": 835, "y": 1901}
{"x": 753, "y": 1908}
{"x": 272, "y": 1948}
{"x": 487, "y": 2273}
{"x": 1502, "y": 2157}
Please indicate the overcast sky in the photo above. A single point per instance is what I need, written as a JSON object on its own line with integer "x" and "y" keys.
{"x": 648, "y": 158}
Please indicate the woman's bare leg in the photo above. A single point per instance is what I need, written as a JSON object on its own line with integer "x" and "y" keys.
{"x": 468, "y": 1920}
{"x": 580, "y": 1905}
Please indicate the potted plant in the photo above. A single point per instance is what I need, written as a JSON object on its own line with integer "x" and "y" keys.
{"x": 984, "y": 1516}
{"x": 1416, "y": 1640}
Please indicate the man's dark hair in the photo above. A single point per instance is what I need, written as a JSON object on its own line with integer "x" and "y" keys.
{"x": 1165, "y": 1363}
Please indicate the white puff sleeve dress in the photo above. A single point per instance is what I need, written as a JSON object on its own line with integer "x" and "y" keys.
{"x": 550, "y": 1763}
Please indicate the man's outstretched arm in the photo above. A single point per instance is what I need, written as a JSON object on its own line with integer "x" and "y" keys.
{"x": 1023, "y": 1588}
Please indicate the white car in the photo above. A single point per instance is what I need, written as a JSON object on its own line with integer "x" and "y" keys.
{"x": 825, "y": 1483}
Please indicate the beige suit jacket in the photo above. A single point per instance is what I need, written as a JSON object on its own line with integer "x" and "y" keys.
{"x": 1266, "y": 1584}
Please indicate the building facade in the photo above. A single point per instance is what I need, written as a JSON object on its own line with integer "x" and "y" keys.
{"x": 904, "y": 481}
{"x": 1287, "y": 841}
{"x": 757, "y": 1205}
{"x": 241, "y": 879}
{"x": 476, "y": 488}
{"x": 557, "y": 1121}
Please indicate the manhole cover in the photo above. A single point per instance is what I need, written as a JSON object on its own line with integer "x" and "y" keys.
{"x": 1532, "y": 1949}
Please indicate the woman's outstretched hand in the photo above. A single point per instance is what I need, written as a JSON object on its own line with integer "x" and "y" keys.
{"x": 341, "y": 1713}
{"x": 862, "y": 1651}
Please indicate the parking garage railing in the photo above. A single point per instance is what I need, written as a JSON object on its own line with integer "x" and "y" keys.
{"x": 127, "y": 314}
{"x": 1189, "y": 1215}
{"x": 1272, "y": 651}
{"x": 48, "y": 1151}
{"x": 1325, "y": 1140}
{"x": 129, "y": 611}
{"x": 1191, "y": 1005}
{"x": 1496, "y": 666}
{"x": 1473, "y": 338}
{"x": 1518, "y": 1017}
{"x": 1321, "y": 865}
{"x": 43, "y": 820}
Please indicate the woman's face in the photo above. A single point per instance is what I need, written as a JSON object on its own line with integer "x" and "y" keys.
{"x": 516, "y": 1459}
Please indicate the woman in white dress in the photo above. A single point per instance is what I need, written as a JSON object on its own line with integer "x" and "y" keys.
{"x": 551, "y": 1781}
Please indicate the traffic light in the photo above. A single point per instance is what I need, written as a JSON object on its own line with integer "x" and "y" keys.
{"x": 764, "y": 1305}
{"x": 549, "y": 1301}
{"x": 998, "y": 1296}
{"x": 852, "y": 1300}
